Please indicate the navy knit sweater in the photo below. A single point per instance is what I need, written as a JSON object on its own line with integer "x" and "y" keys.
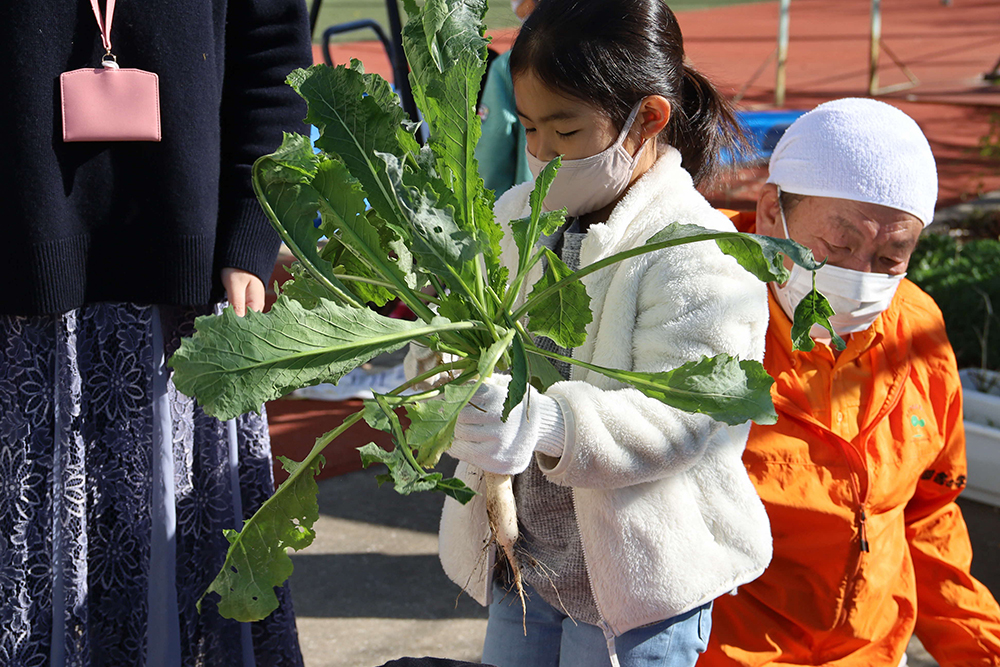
{"x": 142, "y": 222}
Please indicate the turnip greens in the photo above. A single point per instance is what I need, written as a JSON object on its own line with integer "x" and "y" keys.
{"x": 415, "y": 223}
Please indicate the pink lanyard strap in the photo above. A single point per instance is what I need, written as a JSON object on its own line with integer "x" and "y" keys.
{"x": 105, "y": 23}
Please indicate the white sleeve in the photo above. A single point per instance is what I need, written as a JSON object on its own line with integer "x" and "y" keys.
{"x": 690, "y": 302}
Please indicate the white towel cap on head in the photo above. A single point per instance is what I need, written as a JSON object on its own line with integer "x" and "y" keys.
{"x": 858, "y": 149}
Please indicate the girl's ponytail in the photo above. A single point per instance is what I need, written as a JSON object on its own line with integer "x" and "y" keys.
{"x": 703, "y": 127}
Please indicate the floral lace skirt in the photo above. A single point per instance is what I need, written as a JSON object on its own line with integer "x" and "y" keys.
{"x": 114, "y": 492}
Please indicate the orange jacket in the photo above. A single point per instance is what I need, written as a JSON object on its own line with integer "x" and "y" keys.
{"x": 859, "y": 478}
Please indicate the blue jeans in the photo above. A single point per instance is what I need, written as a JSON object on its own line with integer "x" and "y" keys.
{"x": 555, "y": 640}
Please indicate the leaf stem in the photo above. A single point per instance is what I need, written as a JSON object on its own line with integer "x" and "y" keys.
{"x": 612, "y": 259}
{"x": 515, "y": 286}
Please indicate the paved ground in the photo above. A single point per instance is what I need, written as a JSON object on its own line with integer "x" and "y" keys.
{"x": 370, "y": 588}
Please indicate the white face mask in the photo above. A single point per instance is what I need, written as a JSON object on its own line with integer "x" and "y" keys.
{"x": 591, "y": 183}
{"x": 857, "y": 298}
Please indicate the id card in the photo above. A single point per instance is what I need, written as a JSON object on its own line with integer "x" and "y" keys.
{"x": 110, "y": 104}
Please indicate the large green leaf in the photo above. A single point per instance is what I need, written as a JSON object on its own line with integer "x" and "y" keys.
{"x": 357, "y": 245}
{"x": 257, "y": 560}
{"x": 722, "y": 387}
{"x": 282, "y": 181}
{"x": 562, "y": 315}
{"x": 234, "y": 364}
{"x": 446, "y": 51}
{"x": 357, "y": 117}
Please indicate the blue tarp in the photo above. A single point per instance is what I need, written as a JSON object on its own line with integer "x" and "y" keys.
{"x": 763, "y": 129}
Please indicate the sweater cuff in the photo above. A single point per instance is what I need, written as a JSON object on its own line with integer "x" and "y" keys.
{"x": 249, "y": 242}
{"x": 551, "y": 427}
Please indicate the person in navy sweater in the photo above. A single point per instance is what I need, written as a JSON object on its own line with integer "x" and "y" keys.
{"x": 114, "y": 488}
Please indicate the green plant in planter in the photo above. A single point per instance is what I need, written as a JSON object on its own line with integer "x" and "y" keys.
{"x": 964, "y": 280}
{"x": 403, "y": 220}
{"x": 989, "y": 143}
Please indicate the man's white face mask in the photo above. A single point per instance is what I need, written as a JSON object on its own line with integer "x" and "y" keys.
{"x": 591, "y": 183}
{"x": 857, "y": 298}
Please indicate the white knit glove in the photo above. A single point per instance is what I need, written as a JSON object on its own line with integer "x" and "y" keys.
{"x": 505, "y": 448}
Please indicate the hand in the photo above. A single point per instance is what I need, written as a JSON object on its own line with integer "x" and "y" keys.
{"x": 419, "y": 359}
{"x": 243, "y": 289}
{"x": 505, "y": 448}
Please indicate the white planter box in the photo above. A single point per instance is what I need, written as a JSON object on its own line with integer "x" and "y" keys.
{"x": 982, "y": 436}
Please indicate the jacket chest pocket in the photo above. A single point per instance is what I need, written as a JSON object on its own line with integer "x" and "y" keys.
{"x": 902, "y": 448}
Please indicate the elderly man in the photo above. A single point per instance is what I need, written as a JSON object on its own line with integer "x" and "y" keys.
{"x": 860, "y": 474}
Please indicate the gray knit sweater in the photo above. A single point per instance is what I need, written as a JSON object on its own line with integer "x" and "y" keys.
{"x": 551, "y": 553}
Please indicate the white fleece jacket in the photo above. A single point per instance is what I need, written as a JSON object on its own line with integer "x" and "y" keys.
{"x": 668, "y": 517}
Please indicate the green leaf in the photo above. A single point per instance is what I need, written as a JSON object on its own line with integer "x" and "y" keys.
{"x": 456, "y": 488}
{"x": 543, "y": 373}
{"x": 542, "y": 184}
{"x": 563, "y": 315}
{"x": 234, "y": 364}
{"x": 303, "y": 287}
{"x": 439, "y": 245}
{"x": 407, "y": 480}
{"x": 256, "y": 561}
{"x": 813, "y": 309}
{"x": 358, "y": 117}
{"x": 528, "y": 230}
{"x": 282, "y": 183}
{"x": 760, "y": 255}
{"x": 446, "y": 50}
{"x": 362, "y": 248}
{"x": 722, "y": 387}
{"x": 432, "y": 422}
{"x": 406, "y": 475}
{"x": 518, "y": 385}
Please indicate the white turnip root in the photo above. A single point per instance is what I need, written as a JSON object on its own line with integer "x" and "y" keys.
{"x": 502, "y": 513}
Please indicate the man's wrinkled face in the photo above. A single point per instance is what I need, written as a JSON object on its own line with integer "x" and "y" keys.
{"x": 852, "y": 235}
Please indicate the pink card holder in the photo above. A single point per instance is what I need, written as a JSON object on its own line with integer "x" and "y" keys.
{"x": 108, "y": 103}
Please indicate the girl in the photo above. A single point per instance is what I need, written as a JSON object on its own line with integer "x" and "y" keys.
{"x": 634, "y": 516}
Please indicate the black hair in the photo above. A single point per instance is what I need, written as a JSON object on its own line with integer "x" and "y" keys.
{"x": 790, "y": 200}
{"x": 613, "y": 53}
